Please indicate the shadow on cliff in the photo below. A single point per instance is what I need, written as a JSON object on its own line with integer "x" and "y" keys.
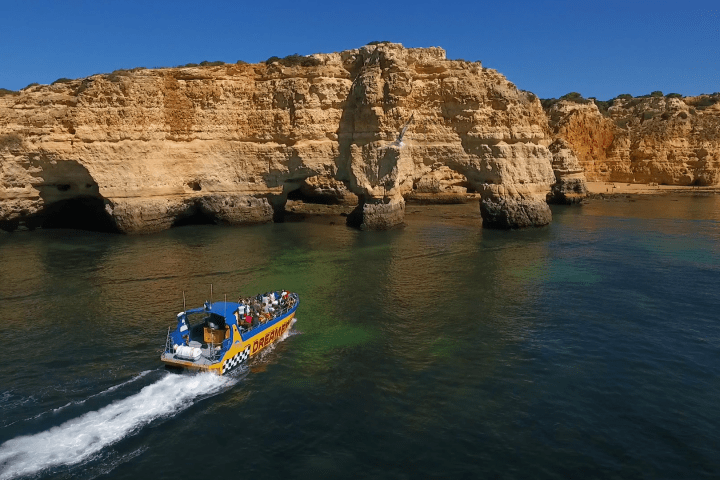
{"x": 71, "y": 198}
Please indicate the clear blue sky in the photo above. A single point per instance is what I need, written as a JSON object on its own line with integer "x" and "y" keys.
{"x": 601, "y": 48}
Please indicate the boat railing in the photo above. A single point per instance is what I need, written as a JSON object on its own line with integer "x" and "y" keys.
{"x": 168, "y": 342}
{"x": 287, "y": 308}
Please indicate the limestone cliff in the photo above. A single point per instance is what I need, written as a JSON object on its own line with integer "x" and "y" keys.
{"x": 145, "y": 149}
{"x": 570, "y": 184}
{"x": 672, "y": 141}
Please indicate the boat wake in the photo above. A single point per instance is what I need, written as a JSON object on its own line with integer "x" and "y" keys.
{"x": 80, "y": 438}
{"x": 79, "y": 402}
{"x": 104, "y": 392}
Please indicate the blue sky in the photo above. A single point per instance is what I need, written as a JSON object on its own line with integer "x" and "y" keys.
{"x": 601, "y": 49}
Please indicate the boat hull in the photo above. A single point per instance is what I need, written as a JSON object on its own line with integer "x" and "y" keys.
{"x": 244, "y": 346}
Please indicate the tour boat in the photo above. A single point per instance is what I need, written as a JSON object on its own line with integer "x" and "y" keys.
{"x": 220, "y": 336}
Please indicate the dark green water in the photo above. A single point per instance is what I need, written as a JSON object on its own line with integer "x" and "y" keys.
{"x": 586, "y": 349}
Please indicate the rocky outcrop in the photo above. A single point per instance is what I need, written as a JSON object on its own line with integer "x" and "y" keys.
{"x": 656, "y": 139}
{"x": 378, "y": 213}
{"x": 513, "y": 207}
{"x": 440, "y": 185}
{"x": 570, "y": 186}
{"x": 327, "y": 190}
{"x": 143, "y": 150}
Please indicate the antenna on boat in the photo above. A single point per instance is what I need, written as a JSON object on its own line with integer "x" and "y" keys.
{"x": 211, "y": 293}
{"x": 184, "y": 301}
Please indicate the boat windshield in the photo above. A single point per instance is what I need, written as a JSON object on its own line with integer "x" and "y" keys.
{"x": 200, "y": 323}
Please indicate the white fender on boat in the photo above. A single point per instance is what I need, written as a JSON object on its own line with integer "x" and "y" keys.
{"x": 187, "y": 353}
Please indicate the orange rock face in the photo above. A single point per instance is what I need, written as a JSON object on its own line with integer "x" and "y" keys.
{"x": 669, "y": 141}
{"x": 146, "y": 149}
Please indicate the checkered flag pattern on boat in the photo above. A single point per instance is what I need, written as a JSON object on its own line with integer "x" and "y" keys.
{"x": 236, "y": 360}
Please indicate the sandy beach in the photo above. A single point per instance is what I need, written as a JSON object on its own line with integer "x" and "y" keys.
{"x": 618, "y": 188}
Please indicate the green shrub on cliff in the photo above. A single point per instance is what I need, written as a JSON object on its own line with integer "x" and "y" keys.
{"x": 62, "y": 80}
{"x": 116, "y": 75}
{"x": 5, "y": 91}
{"x": 378, "y": 42}
{"x": 294, "y": 60}
{"x": 548, "y": 102}
{"x": 673, "y": 95}
{"x": 573, "y": 97}
{"x": 629, "y": 100}
{"x": 706, "y": 101}
{"x": 657, "y": 93}
{"x": 204, "y": 63}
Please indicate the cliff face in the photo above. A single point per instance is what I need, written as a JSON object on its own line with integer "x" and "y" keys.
{"x": 672, "y": 141}
{"x": 570, "y": 183}
{"x": 143, "y": 150}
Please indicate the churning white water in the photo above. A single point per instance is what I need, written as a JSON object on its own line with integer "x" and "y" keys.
{"x": 104, "y": 392}
{"x": 79, "y": 438}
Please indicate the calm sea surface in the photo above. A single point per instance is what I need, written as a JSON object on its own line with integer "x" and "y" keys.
{"x": 586, "y": 349}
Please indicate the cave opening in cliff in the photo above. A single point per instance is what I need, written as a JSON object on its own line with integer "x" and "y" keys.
{"x": 299, "y": 195}
{"x": 195, "y": 216}
{"x": 81, "y": 213}
{"x": 300, "y": 204}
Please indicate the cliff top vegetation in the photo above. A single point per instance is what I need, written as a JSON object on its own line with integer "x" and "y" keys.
{"x": 294, "y": 60}
{"x": 701, "y": 101}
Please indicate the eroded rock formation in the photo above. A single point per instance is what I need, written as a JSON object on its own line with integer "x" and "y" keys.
{"x": 672, "y": 141}
{"x": 142, "y": 150}
{"x": 440, "y": 185}
{"x": 570, "y": 186}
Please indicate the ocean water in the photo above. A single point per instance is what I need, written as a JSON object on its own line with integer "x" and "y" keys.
{"x": 586, "y": 349}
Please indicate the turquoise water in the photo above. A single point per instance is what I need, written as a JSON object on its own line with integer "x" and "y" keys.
{"x": 586, "y": 349}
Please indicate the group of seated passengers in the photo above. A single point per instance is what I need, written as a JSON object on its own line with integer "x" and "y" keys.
{"x": 259, "y": 309}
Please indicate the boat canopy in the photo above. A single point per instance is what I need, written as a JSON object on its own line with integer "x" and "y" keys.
{"x": 225, "y": 310}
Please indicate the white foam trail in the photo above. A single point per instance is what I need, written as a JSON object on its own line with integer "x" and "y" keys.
{"x": 77, "y": 439}
{"x": 286, "y": 333}
{"x": 107, "y": 390}
{"x": 80, "y": 402}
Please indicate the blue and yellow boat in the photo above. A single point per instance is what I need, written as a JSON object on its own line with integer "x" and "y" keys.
{"x": 220, "y": 336}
